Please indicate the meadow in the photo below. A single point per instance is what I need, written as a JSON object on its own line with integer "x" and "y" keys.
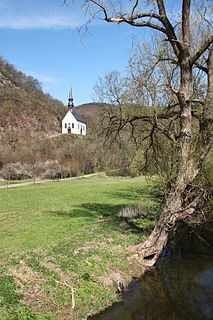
{"x": 65, "y": 240}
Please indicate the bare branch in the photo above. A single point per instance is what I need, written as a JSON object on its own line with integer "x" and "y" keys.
{"x": 185, "y": 22}
{"x": 201, "y": 50}
{"x": 141, "y": 24}
{"x": 177, "y": 47}
{"x": 101, "y": 7}
{"x": 198, "y": 101}
{"x": 135, "y": 6}
{"x": 199, "y": 66}
{"x": 203, "y": 15}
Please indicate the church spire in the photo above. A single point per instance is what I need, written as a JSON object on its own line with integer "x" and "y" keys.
{"x": 70, "y": 100}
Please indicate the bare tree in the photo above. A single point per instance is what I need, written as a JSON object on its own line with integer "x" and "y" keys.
{"x": 186, "y": 56}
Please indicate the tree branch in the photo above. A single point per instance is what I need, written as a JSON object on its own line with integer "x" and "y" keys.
{"x": 139, "y": 24}
{"x": 201, "y": 50}
{"x": 185, "y": 22}
{"x": 199, "y": 66}
{"x": 167, "y": 27}
{"x": 177, "y": 47}
{"x": 135, "y": 6}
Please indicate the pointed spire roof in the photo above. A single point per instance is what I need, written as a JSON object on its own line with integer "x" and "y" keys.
{"x": 70, "y": 94}
{"x": 70, "y": 100}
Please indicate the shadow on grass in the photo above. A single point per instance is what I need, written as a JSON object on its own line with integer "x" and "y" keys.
{"x": 105, "y": 214}
{"x": 146, "y": 192}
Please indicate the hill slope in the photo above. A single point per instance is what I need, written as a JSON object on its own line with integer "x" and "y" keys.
{"x": 89, "y": 111}
{"x": 24, "y": 108}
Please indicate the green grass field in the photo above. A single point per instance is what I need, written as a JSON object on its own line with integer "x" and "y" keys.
{"x": 63, "y": 235}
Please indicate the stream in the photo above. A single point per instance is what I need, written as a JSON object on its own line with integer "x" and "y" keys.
{"x": 178, "y": 288}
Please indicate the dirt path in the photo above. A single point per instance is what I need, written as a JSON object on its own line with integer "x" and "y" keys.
{"x": 23, "y": 184}
{"x": 54, "y": 135}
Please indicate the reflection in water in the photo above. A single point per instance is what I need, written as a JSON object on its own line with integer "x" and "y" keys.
{"x": 178, "y": 289}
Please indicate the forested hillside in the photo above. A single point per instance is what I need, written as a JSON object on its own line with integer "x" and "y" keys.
{"x": 89, "y": 112}
{"x": 24, "y": 108}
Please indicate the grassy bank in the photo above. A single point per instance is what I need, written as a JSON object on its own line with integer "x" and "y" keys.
{"x": 65, "y": 235}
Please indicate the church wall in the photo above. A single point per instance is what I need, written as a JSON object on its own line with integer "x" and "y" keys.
{"x": 70, "y": 120}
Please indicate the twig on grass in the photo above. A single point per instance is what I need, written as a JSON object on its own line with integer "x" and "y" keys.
{"x": 72, "y": 291}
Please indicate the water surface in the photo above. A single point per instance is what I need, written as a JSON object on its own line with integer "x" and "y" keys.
{"x": 177, "y": 289}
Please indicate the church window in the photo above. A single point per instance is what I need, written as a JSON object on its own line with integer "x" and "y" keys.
{"x": 73, "y": 125}
{"x": 78, "y": 126}
{"x": 65, "y": 126}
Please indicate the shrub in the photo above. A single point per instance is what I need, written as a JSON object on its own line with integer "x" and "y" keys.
{"x": 114, "y": 173}
{"x": 15, "y": 171}
{"x": 133, "y": 212}
{"x": 134, "y": 172}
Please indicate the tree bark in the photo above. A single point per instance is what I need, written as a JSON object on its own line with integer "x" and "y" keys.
{"x": 173, "y": 212}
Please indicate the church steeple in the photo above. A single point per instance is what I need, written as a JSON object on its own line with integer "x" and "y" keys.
{"x": 70, "y": 100}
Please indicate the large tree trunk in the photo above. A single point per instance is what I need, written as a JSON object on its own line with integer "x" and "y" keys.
{"x": 172, "y": 213}
{"x": 176, "y": 208}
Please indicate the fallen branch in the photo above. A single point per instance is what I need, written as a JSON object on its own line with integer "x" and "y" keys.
{"x": 72, "y": 291}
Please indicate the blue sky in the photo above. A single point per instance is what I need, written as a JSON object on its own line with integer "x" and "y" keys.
{"x": 40, "y": 38}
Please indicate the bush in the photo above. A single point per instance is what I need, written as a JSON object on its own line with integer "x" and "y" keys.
{"x": 114, "y": 173}
{"x": 133, "y": 212}
{"x": 134, "y": 172}
{"x": 15, "y": 171}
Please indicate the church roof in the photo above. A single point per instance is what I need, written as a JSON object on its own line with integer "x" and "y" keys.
{"x": 77, "y": 117}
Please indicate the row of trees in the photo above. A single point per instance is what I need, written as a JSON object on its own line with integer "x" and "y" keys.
{"x": 63, "y": 156}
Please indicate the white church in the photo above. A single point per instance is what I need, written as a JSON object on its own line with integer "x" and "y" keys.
{"x": 73, "y": 122}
